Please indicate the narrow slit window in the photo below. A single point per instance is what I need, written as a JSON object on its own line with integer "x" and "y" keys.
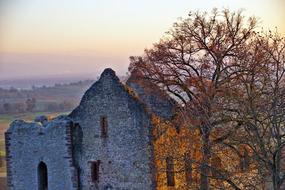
{"x": 95, "y": 171}
{"x": 104, "y": 127}
{"x": 216, "y": 165}
{"x": 170, "y": 171}
{"x": 244, "y": 161}
{"x": 188, "y": 168}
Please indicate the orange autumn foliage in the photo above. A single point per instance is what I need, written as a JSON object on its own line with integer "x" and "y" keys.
{"x": 184, "y": 142}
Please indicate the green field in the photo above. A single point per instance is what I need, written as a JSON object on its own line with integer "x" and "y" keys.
{"x": 5, "y": 120}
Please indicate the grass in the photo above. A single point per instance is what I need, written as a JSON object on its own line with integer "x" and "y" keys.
{"x": 2, "y": 147}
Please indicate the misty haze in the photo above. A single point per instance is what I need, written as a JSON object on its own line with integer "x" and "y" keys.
{"x": 142, "y": 95}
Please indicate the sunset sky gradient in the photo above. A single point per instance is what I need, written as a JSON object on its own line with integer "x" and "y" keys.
{"x": 53, "y": 37}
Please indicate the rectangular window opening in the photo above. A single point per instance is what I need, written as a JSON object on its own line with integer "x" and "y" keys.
{"x": 244, "y": 161}
{"x": 95, "y": 171}
{"x": 104, "y": 127}
{"x": 170, "y": 171}
{"x": 188, "y": 168}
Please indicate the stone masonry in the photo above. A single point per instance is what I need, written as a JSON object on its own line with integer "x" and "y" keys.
{"x": 104, "y": 143}
{"x": 28, "y": 144}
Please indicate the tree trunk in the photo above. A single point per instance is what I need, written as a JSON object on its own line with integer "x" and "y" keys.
{"x": 275, "y": 184}
{"x": 275, "y": 178}
{"x": 204, "y": 169}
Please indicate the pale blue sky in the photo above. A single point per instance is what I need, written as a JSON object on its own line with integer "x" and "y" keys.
{"x": 82, "y": 36}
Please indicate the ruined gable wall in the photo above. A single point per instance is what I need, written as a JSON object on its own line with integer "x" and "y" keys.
{"x": 28, "y": 144}
{"x": 126, "y": 153}
{"x": 158, "y": 101}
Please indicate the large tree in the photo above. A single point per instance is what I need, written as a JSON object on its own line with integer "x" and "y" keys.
{"x": 261, "y": 106}
{"x": 194, "y": 62}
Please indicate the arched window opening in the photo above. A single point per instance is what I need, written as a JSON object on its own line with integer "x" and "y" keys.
{"x": 42, "y": 176}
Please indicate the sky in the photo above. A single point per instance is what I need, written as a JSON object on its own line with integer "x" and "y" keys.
{"x": 41, "y": 38}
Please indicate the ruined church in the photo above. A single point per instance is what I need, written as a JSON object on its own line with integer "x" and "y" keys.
{"x": 105, "y": 143}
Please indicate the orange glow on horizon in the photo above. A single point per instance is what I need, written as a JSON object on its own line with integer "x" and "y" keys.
{"x": 114, "y": 30}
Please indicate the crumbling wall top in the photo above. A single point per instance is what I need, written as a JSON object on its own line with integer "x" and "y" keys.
{"x": 21, "y": 125}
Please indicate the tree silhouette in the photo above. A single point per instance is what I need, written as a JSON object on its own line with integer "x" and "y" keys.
{"x": 195, "y": 63}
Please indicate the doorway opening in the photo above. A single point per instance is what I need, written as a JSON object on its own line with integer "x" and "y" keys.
{"x": 42, "y": 176}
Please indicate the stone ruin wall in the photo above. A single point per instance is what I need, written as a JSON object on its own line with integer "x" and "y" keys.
{"x": 125, "y": 155}
{"x": 28, "y": 144}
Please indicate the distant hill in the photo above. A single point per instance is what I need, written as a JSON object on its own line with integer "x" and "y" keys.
{"x": 29, "y": 83}
{"x": 59, "y": 97}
